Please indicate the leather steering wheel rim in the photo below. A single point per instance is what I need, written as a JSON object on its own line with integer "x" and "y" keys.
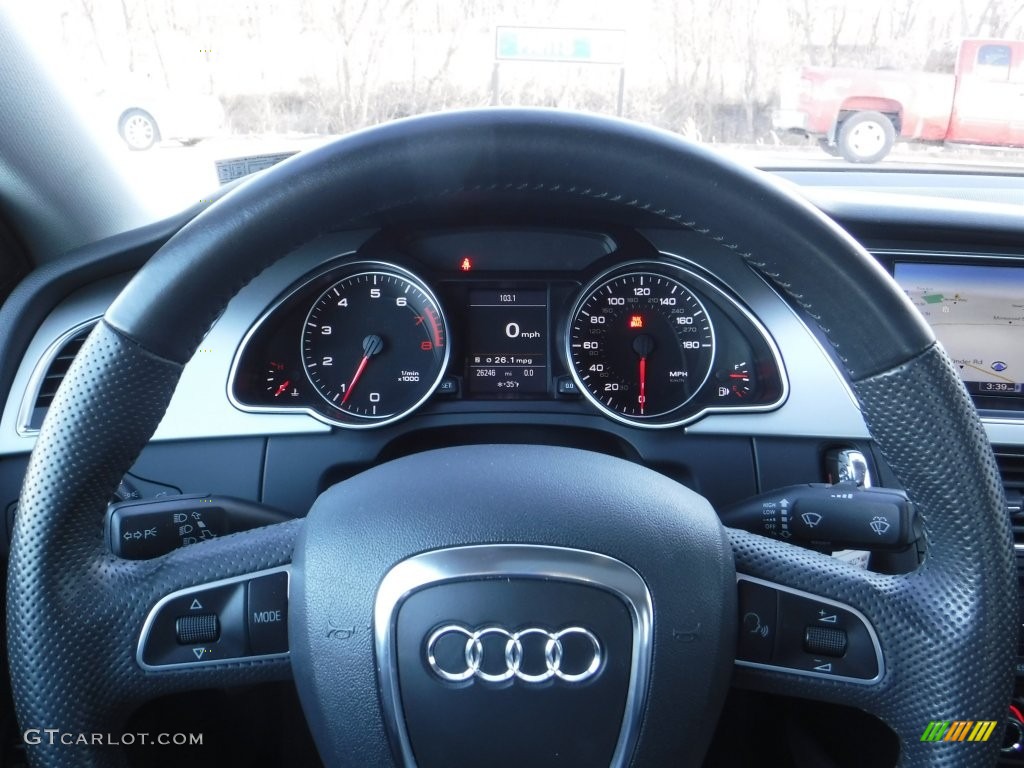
{"x": 947, "y": 631}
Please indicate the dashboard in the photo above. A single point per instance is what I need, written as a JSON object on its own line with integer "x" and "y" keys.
{"x": 227, "y": 431}
{"x": 488, "y": 319}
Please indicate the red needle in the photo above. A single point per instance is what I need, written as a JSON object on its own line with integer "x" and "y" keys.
{"x": 372, "y": 345}
{"x": 282, "y": 388}
{"x": 643, "y": 383}
{"x": 359, "y": 372}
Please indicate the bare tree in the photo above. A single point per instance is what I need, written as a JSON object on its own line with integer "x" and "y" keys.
{"x": 996, "y": 18}
{"x": 89, "y": 11}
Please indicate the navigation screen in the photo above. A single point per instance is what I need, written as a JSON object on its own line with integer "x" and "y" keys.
{"x": 978, "y": 315}
{"x": 508, "y": 342}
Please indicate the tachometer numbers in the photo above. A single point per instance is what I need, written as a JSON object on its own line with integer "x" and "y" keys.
{"x": 375, "y": 344}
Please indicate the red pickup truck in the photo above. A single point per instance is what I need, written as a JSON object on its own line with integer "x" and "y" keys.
{"x": 860, "y": 114}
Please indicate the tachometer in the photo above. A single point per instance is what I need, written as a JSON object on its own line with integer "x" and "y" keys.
{"x": 375, "y": 344}
{"x": 640, "y": 344}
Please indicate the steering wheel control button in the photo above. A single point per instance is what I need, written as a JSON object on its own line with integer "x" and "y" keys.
{"x": 179, "y": 629}
{"x": 198, "y": 628}
{"x": 508, "y": 639}
{"x": 268, "y": 614}
{"x": 797, "y": 613}
{"x": 825, "y": 641}
{"x": 814, "y": 636}
{"x": 758, "y": 624}
{"x": 235, "y": 619}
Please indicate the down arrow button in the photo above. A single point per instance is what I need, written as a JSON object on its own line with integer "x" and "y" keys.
{"x": 268, "y": 614}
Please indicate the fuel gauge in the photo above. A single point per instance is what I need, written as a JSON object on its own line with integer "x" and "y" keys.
{"x": 741, "y": 380}
{"x": 735, "y": 382}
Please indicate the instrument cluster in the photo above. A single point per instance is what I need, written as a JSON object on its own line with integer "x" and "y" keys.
{"x": 645, "y": 338}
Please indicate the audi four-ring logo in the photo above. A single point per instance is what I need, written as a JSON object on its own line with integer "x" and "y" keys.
{"x": 471, "y": 663}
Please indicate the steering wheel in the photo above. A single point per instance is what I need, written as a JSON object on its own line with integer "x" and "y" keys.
{"x": 515, "y": 561}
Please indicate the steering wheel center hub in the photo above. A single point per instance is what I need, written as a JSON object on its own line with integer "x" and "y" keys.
{"x": 511, "y": 625}
{"x": 550, "y": 643}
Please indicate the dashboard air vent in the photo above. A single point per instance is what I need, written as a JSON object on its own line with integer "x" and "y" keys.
{"x": 1011, "y": 468}
{"x": 57, "y": 361}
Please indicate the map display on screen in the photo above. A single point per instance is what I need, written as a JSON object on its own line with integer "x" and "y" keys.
{"x": 977, "y": 312}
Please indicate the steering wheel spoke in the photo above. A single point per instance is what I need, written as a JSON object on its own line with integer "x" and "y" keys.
{"x": 98, "y": 624}
{"x": 811, "y": 625}
{"x": 815, "y": 627}
{"x": 229, "y": 613}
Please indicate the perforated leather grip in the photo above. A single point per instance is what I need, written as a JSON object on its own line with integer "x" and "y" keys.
{"x": 74, "y": 610}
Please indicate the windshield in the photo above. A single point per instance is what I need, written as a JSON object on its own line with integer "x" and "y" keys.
{"x": 190, "y": 95}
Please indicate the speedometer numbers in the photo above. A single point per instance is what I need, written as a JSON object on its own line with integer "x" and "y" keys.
{"x": 374, "y": 344}
{"x": 640, "y": 344}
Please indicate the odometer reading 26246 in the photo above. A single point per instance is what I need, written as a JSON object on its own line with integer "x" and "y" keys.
{"x": 375, "y": 344}
{"x": 641, "y": 344}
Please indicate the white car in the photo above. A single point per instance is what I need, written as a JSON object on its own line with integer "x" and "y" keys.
{"x": 145, "y": 116}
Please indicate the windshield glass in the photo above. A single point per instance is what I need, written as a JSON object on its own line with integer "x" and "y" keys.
{"x": 192, "y": 94}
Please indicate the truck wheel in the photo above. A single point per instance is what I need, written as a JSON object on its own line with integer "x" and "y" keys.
{"x": 866, "y": 137}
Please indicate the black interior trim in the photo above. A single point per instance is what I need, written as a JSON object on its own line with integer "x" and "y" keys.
{"x": 14, "y": 260}
{"x": 41, "y": 290}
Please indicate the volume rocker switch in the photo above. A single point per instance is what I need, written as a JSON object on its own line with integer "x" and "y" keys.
{"x": 201, "y": 628}
{"x": 195, "y": 626}
{"x": 231, "y": 620}
{"x": 825, "y": 641}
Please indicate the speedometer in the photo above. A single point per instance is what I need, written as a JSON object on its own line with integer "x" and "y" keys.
{"x": 640, "y": 344}
{"x": 374, "y": 344}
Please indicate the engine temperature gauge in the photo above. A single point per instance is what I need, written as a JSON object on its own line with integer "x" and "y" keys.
{"x": 280, "y": 383}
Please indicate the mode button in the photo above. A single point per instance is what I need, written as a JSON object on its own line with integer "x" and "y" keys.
{"x": 268, "y": 614}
